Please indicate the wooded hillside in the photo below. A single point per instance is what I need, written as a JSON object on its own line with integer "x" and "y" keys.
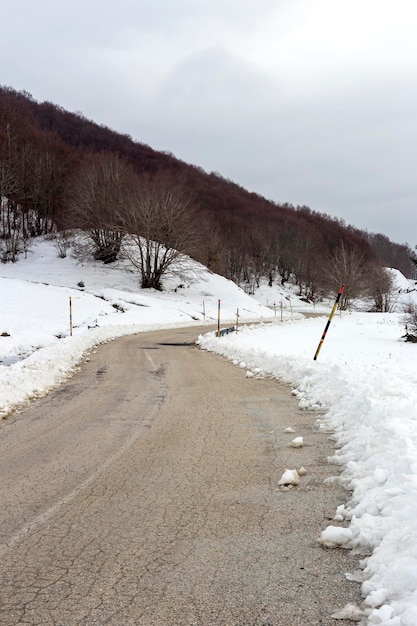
{"x": 59, "y": 170}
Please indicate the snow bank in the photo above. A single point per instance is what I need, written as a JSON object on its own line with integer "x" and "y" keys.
{"x": 366, "y": 380}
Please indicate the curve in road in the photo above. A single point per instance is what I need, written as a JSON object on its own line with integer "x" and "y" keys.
{"x": 144, "y": 492}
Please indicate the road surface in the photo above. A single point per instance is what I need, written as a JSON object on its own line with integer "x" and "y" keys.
{"x": 143, "y": 492}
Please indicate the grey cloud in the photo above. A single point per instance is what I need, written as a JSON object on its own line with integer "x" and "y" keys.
{"x": 231, "y": 85}
{"x": 212, "y": 82}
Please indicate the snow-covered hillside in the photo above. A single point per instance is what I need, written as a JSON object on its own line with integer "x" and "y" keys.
{"x": 364, "y": 383}
{"x": 36, "y": 351}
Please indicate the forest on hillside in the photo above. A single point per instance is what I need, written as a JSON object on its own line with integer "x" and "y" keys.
{"x": 60, "y": 171}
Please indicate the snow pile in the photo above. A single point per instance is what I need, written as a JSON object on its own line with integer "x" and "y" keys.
{"x": 366, "y": 380}
{"x": 349, "y": 612}
{"x": 400, "y": 283}
{"x": 290, "y": 477}
{"x": 336, "y": 536}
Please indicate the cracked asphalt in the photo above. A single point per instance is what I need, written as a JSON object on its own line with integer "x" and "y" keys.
{"x": 143, "y": 492}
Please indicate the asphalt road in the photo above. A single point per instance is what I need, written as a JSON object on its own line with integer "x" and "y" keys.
{"x": 144, "y": 492}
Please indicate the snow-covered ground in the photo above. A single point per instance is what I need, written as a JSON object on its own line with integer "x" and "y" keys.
{"x": 36, "y": 349}
{"x": 364, "y": 383}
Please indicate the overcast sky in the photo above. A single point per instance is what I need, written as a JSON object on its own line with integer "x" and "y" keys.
{"x": 304, "y": 101}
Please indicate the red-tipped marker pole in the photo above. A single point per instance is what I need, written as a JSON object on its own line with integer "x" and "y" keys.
{"x": 341, "y": 290}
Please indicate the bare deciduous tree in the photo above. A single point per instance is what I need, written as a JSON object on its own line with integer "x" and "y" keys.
{"x": 159, "y": 220}
{"x": 63, "y": 242}
{"x": 98, "y": 194}
{"x": 50, "y": 168}
{"x": 347, "y": 266}
{"x": 11, "y": 217}
{"x": 381, "y": 287}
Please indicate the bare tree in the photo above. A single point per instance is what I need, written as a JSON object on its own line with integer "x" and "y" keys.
{"x": 159, "y": 222}
{"x": 50, "y": 166}
{"x": 97, "y": 195}
{"x": 211, "y": 244}
{"x": 381, "y": 287}
{"x": 8, "y": 187}
{"x": 237, "y": 262}
{"x": 11, "y": 218}
{"x": 63, "y": 242}
{"x": 347, "y": 266}
{"x": 286, "y": 256}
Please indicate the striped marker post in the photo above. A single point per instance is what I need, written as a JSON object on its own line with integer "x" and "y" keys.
{"x": 341, "y": 290}
{"x": 218, "y": 318}
{"x": 70, "y": 315}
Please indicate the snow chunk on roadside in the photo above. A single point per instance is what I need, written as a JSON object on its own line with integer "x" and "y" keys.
{"x": 289, "y": 477}
{"x": 336, "y": 536}
{"x": 350, "y": 612}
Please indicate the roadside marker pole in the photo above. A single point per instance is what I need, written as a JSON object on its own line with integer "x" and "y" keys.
{"x": 70, "y": 314}
{"x": 204, "y": 309}
{"x": 341, "y": 290}
{"x": 237, "y": 321}
{"x": 218, "y": 318}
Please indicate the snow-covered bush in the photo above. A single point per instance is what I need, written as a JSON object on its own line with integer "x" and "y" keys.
{"x": 62, "y": 243}
{"x": 410, "y": 319}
